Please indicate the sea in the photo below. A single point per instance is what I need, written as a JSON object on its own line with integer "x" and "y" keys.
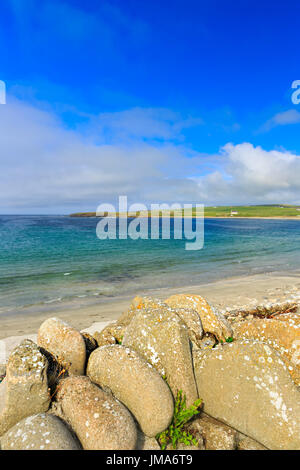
{"x": 54, "y": 260}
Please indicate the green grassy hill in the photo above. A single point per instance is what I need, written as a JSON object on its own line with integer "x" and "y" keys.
{"x": 254, "y": 211}
{"x": 272, "y": 210}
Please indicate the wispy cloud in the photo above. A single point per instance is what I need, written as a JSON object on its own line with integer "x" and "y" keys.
{"x": 292, "y": 116}
{"x": 142, "y": 123}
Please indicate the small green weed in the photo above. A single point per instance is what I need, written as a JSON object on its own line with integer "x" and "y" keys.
{"x": 175, "y": 433}
{"x": 120, "y": 341}
{"x": 229, "y": 339}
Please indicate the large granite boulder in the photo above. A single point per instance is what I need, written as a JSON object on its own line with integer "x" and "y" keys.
{"x": 283, "y": 336}
{"x": 246, "y": 385}
{"x": 65, "y": 343}
{"x": 135, "y": 383}
{"x": 163, "y": 340}
{"x": 24, "y": 391}
{"x": 188, "y": 316}
{"x": 39, "y": 432}
{"x": 99, "y": 420}
{"x": 212, "y": 321}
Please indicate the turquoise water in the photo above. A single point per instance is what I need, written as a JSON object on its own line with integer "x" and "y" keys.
{"x": 54, "y": 259}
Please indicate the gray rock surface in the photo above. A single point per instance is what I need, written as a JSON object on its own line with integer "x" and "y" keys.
{"x": 99, "y": 421}
{"x": 24, "y": 391}
{"x": 163, "y": 340}
{"x": 246, "y": 385}
{"x": 39, "y": 432}
{"x": 65, "y": 343}
{"x": 135, "y": 383}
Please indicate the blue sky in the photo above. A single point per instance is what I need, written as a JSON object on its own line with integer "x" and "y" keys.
{"x": 183, "y": 101}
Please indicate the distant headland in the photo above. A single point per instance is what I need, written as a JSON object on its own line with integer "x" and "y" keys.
{"x": 272, "y": 211}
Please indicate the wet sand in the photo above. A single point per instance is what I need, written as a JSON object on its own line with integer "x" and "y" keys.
{"x": 225, "y": 295}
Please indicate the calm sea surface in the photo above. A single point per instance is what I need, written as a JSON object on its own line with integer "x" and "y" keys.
{"x": 50, "y": 259}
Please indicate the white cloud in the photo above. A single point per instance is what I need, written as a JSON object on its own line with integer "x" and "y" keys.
{"x": 47, "y": 168}
{"x": 251, "y": 174}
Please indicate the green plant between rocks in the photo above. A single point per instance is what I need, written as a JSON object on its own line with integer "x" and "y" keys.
{"x": 175, "y": 433}
{"x": 229, "y": 339}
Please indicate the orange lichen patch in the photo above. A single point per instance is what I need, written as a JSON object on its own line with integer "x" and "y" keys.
{"x": 212, "y": 321}
{"x": 280, "y": 335}
{"x": 190, "y": 317}
{"x": 146, "y": 302}
{"x": 138, "y": 303}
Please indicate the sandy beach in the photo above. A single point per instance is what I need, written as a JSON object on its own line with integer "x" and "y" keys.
{"x": 225, "y": 295}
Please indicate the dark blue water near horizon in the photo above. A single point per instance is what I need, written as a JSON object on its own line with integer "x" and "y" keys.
{"x": 45, "y": 259}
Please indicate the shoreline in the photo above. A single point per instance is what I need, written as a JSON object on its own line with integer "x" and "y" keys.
{"x": 240, "y": 292}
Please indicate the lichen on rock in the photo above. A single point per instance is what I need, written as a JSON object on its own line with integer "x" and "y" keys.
{"x": 246, "y": 385}
{"x": 212, "y": 321}
{"x": 163, "y": 340}
{"x": 135, "y": 383}
{"x": 24, "y": 390}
